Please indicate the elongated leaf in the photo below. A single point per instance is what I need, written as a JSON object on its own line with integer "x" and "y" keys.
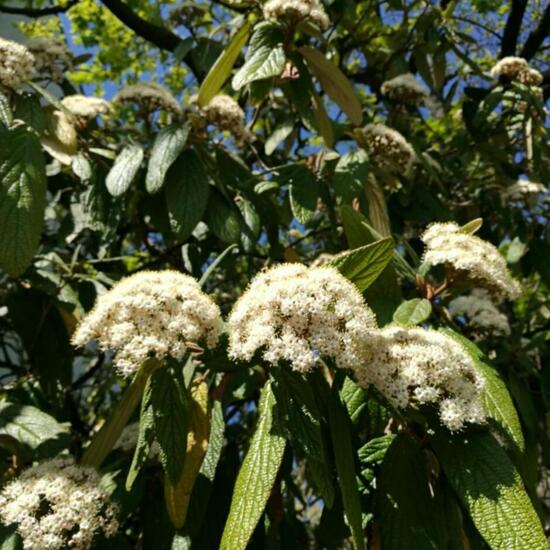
{"x": 6, "y": 115}
{"x": 187, "y": 191}
{"x": 354, "y": 398}
{"x": 124, "y": 170}
{"x": 363, "y": 265}
{"x": 256, "y": 477}
{"x": 170, "y": 405}
{"x": 279, "y": 134}
{"x": 177, "y": 495}
{"x": 350, "y": 175}
{"x": 322, "y": 120}
{"x": 223, "y": 219}
{"x": 220, "y": 71}
{"x": 374, "y": 451}
{"x": 29, "y": 425}
{"x": 169, "y": 143}
{"x": 345, "y": 467}
{"x": 491, "y": 489}
{"x": 334, "y": 82}
{"x": 378, "y": 211}
{"x": 413, "y": 312}
{"x": 22, "y": 198}
{"x": 498, "y": 402}
{"x": 265, "y": 57}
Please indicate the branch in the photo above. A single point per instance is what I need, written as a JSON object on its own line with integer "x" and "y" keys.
{"x": 157, "y": 35}
{"x": 536, "y": 37}
{"x": 38, "y": 12}
{"x": 511, "y": 30}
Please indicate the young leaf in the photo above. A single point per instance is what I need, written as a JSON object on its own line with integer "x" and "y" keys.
{"x": 187, "y": 191}
{"x": 491, "y": 490}
{"x": 177, "y": 495}
{"x": 22, "y": 198}
{"x": 170, "y": 405}
{"x": 345, "y": 466}
{"x": 256, "y": 477}
{"x": 498, "y": 402}
{"x": 265, "y": 57}
{"x": 334, "y": 82}
{"x": 124, "y": 170}
{"x": 169, "y": 143}
{"x": 221, "y": 69}
{"x": 363, "y": 265}
{"x": 413, "y": 312}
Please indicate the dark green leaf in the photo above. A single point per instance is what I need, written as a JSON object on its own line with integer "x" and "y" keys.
{"x": 350, "y": 175}
{"x": 22, "y": 198}
{"x": 223, "y": 219}
{"x": 168, "y": 145}
{"x": 27, "y": 107}
{"x": 124, "y": 170}
{"x": 279, "y": 134}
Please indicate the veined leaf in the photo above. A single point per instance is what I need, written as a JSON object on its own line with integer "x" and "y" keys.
{"x": 363, "y": 265}
{"x": 221, "y": 69}
{"x": 413, "y": 312}
{"x": 334, "y": 82}
{"x": 491, "y": 489}
{"x": 373, "y": 451}
{"x": 22, "y": 198}
{"x": 187, "y": 191}
{"x": 256, "y": 477}
{"x": 124, "y": 170}
{"x": 6, "y": 116}
{"x": 345, "y": 467}
{"x": 177, "y": 494}
{"x": 223, "y": 219}
{"x": 265, "y": 57}
{"x": 497, "y": 400}
{"x": 304, "y": 191}
{"x": 354, "y": 398}
{"x": 170, "y": 404}
{"x": 169, "y": 143}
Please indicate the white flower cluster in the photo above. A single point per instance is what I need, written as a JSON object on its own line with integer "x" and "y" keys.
{"x": 86, "y": 107}
{"x": 405, "y": 89}
{"x": 481, "y": 313}
{"x": 295, "y": 314}
{"x": 151, "y": 96}
{"x": 225, "y": 113}
{"x": 16, "y": 64}
{"x": 297, "y": 10}
{"x": 524, "y": 189}
{"x": 58, "y": 504}
{"x": 52, "y": 57}
{"x": 151, "y": 314}
{"x": 471, "y": 256}
{"x": 388, "y": 147}
{"x": 517, "y": 68}
{"x": 418, "y": 366}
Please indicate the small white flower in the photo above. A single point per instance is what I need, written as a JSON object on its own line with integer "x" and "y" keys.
{"x": 152, "y": 97}
{"x": 151, "y": 314}
{"x": 388, "y": 147}
{"x": 405, "y": 89}
{"x": 296, "y": 11}
{"x": 16, "y": 64}
{"x": 471, "y": 256}
{"x": 86, "y": 107}
{"x": 58, "y": 504}
{"x": 294, "y": 314}
{"x": 418, "y": 366}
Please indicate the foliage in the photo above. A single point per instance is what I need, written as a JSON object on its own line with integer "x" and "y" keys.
{"x": 249, "y": 455}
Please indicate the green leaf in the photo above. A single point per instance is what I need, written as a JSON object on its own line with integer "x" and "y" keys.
{"x": 265, "y": 57}
{"x": 29, "y": 425}
{"x": 256, "y": 477}
{"x": 363, "y": 265}
{"x": 187, "y": 191}
{"x": 304, "y": 191}
{"x": 496, "y": 398}
{"x": 183, "y": 48}
{"x": 345, "y": 466}
{"x": 324, "y": 125}
{"x": 216, "y": 263}
{"x": 22, "y": 198}
{"x": 168, "y": 145}
{"x": 491, "y": 490}
{"x": 354, "y": 398}
{"x": 279, "y": 134}
{"x": 27, "y": 107}
{"x": 6, "y": 116}
{"x": 223, "y": 219}
{"x": 413, "y": 312}
{"x": 334, "y": 82}
{"x": 220, "y": 71}
{"x": 374, "y": 451}
{"x": 169, "y": 402}
{"x": 252, "y": 224}
{"x": 408, "y": 514}
{"x": 124, "y": 170}
{"x": 145, "y": 438}
{"x": 350, "y": 175}
{"x": 472, "y": 226}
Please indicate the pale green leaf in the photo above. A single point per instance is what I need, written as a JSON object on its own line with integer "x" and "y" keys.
{"x": 6, "y": 116}
{"x": 279, "y": 134}
{"x": 413, "y": 312}
{"x": 324, "y": 125}
{"x": 124, "y": 170}
{"x": 256, "y": 477}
